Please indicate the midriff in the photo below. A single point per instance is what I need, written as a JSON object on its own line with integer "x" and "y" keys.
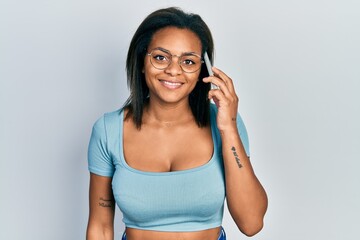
{"x": 139, "y": 234}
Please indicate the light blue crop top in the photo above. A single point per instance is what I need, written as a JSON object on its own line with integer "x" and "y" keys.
{"x": 187, "y": 200}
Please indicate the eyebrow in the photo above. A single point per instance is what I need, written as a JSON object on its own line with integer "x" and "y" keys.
{"x": 182, "y": 54}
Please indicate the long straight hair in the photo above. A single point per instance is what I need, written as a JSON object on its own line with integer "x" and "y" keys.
{"x": 162, "y": 18}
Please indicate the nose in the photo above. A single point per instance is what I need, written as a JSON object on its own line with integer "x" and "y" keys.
{"x": 174, "y": 68}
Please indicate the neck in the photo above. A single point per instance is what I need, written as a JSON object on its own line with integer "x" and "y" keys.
{"x": 168, "y": 114}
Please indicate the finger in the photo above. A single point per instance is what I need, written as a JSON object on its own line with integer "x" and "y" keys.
{"x": 221, "y": 98}
{"x": 217, "y": 95}
{"x": 220, "y": 84}
{"x": 227, "y": 80}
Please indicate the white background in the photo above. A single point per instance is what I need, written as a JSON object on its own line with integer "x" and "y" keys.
{"x": 296, "y": 68}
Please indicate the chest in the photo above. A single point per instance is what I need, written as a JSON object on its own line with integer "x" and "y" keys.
{"x": 167, "y": 149}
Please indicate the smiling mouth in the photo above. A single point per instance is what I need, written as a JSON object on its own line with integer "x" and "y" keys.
{"x": 171, "y": 84}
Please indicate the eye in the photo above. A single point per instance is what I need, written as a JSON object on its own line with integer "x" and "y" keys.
{"x": 160, "y": 58}
{"x": 188, "y": 62}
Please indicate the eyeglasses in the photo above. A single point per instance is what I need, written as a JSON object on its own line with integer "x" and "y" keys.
{"x": 161, "y": 59}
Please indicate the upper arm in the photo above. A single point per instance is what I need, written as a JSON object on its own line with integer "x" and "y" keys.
{"x": 99, "y": 156}
{"x": 101, "y": 200}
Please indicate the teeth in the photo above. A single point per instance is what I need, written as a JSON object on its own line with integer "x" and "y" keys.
{"x": 172, "y": 83}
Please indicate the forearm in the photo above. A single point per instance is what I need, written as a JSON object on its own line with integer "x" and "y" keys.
{"x": 246, "y": 198}
{"x": 102, "y": 209}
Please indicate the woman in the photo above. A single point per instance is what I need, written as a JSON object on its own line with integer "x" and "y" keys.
{"x": 168, "y": 155}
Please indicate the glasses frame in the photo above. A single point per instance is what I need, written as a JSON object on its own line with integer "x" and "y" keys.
{"x": 174, "y": 55}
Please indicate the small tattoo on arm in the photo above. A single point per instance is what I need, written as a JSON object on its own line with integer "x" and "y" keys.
{"x": 236, "y": 156}
{"x": 105, "y": 202}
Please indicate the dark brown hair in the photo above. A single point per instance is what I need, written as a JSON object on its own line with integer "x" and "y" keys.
{"x": 162, "y": 18}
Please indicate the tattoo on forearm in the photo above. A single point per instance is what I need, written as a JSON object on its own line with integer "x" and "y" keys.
{"x": 236, "y": 156}
{"x": 105, "y": 202}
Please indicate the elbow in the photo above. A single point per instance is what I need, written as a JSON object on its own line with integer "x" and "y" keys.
{"x": 250, "y": 229}
{"x": 98, "y": 231}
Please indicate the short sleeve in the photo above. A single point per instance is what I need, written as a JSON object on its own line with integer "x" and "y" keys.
{"x": 99, "y": 159}
{"x": 243, "y": 134}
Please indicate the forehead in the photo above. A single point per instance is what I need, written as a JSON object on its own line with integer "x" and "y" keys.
{"x": 176, "y": 40}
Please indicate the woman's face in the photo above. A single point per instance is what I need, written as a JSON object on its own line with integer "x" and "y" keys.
{"x": 171, "y": 84}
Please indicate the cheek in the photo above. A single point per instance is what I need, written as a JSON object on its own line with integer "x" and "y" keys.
{"x": 146, "y": 67}
{"x": 150, "y": 73}
{"x": 194, "y": 78}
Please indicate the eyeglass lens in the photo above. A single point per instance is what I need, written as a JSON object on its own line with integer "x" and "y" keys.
{"x": 188, "y": 62}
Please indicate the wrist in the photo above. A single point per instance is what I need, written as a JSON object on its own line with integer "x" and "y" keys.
{"x": 229, "y": 131}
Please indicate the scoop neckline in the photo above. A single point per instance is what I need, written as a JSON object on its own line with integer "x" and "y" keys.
{"x": 190, "y": 170}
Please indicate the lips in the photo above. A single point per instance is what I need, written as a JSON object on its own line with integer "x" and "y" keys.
{"x": 171, "y": 84}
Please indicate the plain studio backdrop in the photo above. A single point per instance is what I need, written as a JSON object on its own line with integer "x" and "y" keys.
{"x": 296, "y": 68}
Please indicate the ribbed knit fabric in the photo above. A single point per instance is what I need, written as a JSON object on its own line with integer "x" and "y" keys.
{"x": 187, "y": 200}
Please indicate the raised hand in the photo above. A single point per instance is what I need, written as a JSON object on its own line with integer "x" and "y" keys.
{"x": 225, "y": 99}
